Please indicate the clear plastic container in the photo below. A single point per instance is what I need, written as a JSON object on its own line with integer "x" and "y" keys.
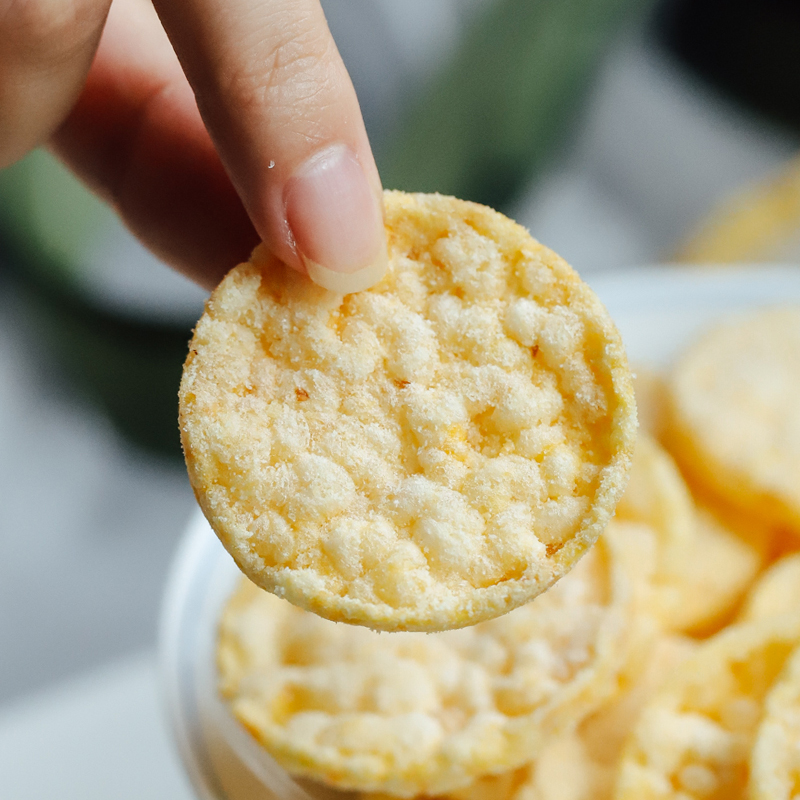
{"x": 221, "y": 758}
{"x": 658, "y": 310}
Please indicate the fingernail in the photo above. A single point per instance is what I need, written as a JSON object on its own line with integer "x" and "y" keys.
{"x": 336, "y": 221}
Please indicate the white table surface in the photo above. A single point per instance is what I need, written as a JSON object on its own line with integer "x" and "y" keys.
{"x": 102, "y": 736}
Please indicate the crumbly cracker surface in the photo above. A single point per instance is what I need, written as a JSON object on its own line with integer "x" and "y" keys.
{"x": 694, "y": 737}
{"x": 581, "y": 763}
{"x": 604, "y": 733}
{"x": 429, "y": 453}
{"x": 775, "y": 761}
{"x": 415, "y": 713}
{"x": 734, "y": 418}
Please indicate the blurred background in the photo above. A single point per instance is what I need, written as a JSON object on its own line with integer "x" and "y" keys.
{"x": 620, "y": 132}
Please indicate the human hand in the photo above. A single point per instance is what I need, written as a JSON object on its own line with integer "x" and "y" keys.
{"x": 277, "y": 150}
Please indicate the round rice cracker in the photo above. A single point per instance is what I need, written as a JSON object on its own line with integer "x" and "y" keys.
{"x": 412, "y": 713}
{"x": 775, "y": 760}
{"x": 429, "y": 453}
{"x": 694, "y": 569}
{"x": 693, "y": 739}
{"x": 733, "y": 421}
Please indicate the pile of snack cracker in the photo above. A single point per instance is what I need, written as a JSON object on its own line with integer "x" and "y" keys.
{"x": 499, "y": 588}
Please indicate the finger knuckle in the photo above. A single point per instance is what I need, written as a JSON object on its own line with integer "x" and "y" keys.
{"x": 292, "y": 70}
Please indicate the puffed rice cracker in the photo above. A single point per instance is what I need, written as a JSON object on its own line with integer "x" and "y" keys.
{"x": 695, "y": 569}
{"x": 429, "y": 453}
{"x": 414, "y": 713}
{"x": 581, "y": 763}
{"x": 775, "y": 760}
{"x": 734, "y": 418}
{"x": 694, "y": 737}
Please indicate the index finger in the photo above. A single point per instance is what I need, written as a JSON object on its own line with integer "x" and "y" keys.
{"x": 283, "y": 114}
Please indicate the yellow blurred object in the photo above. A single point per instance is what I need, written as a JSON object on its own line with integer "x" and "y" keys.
{"x": 759, "y": 223}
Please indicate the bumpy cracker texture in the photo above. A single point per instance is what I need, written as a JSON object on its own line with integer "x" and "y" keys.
{"x": 775, "y": 761}
{"x": 581, "y": 763}
{"x": 734, "y": 420}
{"x": 414, "y": 713}
{"x": 429, "y": 453}
{"x": 693, "y": 739}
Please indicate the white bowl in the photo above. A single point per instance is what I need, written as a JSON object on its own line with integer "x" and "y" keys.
{"x": 658, "y": 310}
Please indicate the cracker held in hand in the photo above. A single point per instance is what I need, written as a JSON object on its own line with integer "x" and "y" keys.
{"x": 429, "y": 453}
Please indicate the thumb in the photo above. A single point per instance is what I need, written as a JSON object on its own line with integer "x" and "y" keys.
{"x": 283, "y": 114}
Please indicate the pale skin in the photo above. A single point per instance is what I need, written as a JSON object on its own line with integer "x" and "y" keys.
{"x": 208, "y": 124}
